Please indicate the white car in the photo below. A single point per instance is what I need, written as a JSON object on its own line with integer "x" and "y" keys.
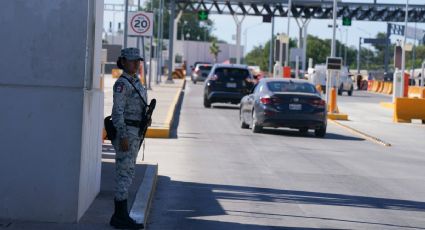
{"x": 317, "y": 76}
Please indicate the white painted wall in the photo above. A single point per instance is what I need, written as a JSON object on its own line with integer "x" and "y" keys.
{"x": 49, "y": 121}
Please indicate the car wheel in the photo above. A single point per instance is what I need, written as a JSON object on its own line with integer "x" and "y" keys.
{"x": 350, "y": 93}
{"x": 254, "y": 126}
{"x": 207, "y": 103}
{"x": 194, "y": 82}
{"x": 320, "y": 132}
{"x": 340, "y": 90}
{"x": 303, "y": 130}
{"x": 243, "y": 124}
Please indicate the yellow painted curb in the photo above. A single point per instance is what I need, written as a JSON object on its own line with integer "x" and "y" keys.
{"x": 164, "y": 132}
{"x": 387, "y": 105}
{"x": 338, "y": 116}
{"x": 157, "y": 132}
{"x": 363, "y": 135}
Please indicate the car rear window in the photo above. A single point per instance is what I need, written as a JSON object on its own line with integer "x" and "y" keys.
{"x": 226, "y": 73}
{"x": 205, "y": 68}
{"x": 291, "y": 86}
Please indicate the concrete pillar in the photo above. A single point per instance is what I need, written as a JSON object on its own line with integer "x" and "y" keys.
{"x": 52, "y": 108}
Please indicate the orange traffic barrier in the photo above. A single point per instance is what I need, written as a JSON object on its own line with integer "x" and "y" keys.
{"x": 381, "y": 87}
{"x": 406, "y": 109}
{"x": 178, "y": 74}
{"x": 372, "y": 88}
{"x": 390, "y": 88}
{"x": 369, "y": 85}
{"x": 386, "y": 88}
{"x": 376, "y": 86}
{"x": 416, "y": 92}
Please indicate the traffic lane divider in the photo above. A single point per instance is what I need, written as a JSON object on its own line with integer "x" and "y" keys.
{"x": 363, "y": 135}
{"x": 406, "y": 109}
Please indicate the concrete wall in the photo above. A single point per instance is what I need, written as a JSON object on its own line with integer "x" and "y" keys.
{"x": 51, "y": 105}
{"x": 192, "y": 51}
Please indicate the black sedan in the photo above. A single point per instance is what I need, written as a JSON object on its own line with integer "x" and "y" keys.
{"x": 286, "y": 103}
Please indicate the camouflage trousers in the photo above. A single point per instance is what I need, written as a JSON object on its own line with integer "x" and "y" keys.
{"x": 125, "y": 163}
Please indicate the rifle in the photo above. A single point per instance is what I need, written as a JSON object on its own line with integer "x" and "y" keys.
{"x": 144, "y": 123}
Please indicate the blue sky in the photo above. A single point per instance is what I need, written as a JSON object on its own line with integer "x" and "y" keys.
{"x": 258, "y": 32}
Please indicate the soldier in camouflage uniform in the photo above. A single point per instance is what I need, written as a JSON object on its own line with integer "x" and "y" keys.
{"x": 127, "y": 112}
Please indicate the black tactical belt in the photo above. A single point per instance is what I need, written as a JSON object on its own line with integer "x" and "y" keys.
{"x": 132, "y": 123}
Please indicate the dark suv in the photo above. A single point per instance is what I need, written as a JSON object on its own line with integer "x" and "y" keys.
{"x": 227, "y": 84}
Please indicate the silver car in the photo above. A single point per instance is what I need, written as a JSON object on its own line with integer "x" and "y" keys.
{"x": 200, "y": 72}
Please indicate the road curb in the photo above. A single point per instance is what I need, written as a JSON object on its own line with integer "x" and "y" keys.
{"x": 142, "y": 203}
{"x": 164, "y": 132}
{"x": 363, "y": 135}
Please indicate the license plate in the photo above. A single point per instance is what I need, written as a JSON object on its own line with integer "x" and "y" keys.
{"x": 295, "y": 107}
{"x": 231, "y": 85}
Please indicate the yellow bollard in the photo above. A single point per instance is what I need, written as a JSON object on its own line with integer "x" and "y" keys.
{"x": 332, "y": 100}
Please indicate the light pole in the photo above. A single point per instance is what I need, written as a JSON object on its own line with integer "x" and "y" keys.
{"x": 245, "y": 34}
{"x": 403, "y": 53}
{"x": 340, "y": 42}
{"x": 368, "y": 56}
{"x": 346, "y": 45}
{"x": 287, "y": 32}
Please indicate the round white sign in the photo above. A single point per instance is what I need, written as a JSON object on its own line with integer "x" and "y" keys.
{"x": 140, "y": 23}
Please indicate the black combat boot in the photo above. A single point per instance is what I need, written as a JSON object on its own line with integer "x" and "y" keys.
{"x": 121, "y": 219}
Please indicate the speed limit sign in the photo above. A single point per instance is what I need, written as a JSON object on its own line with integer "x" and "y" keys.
{"x": 140, "y": 24}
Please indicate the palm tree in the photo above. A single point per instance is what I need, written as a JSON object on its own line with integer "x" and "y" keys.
{"x": 214, "y": 49}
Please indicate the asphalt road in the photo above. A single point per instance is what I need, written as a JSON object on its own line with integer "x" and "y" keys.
{"x": 215, "y": 175}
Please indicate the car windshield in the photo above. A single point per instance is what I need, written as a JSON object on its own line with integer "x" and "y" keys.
{"x": 290, "y": 86}
{"x": 225, "y": 73}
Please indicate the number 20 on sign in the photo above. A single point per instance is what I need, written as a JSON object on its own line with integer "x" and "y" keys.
{"x": 140, "y": 24}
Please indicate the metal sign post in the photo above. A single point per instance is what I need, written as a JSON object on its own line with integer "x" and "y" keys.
{"x": 333, "y": 65}
{"x": 125, "y": 24}
{"x": 140, "y": 24}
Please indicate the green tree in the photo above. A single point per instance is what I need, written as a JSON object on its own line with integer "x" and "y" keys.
{"x": 259, "y": 55}
{"x": 214, "y": 49}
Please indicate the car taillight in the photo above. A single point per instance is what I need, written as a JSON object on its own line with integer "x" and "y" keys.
{"x": 270, "y": 100}
{"x": 197, "y": 71}
{"x": 318, "y": 102}
{"x": 265, "y": 100}
{"x": 214, "y": 78}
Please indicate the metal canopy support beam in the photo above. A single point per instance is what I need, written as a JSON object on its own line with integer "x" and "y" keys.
{"x": 171, "y": 41}
{"x": 302, "y": 38}
{"x": 387, "y": 48}
{"x": 238, "y": 37}
{"x": 307, "y": 9}
{"x": 289, "y": 6}
{"x": 271, "y": 48}
{"x": 358, "y": 55}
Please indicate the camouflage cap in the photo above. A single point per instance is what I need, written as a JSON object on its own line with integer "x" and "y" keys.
{"x": 131, "y": 54}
